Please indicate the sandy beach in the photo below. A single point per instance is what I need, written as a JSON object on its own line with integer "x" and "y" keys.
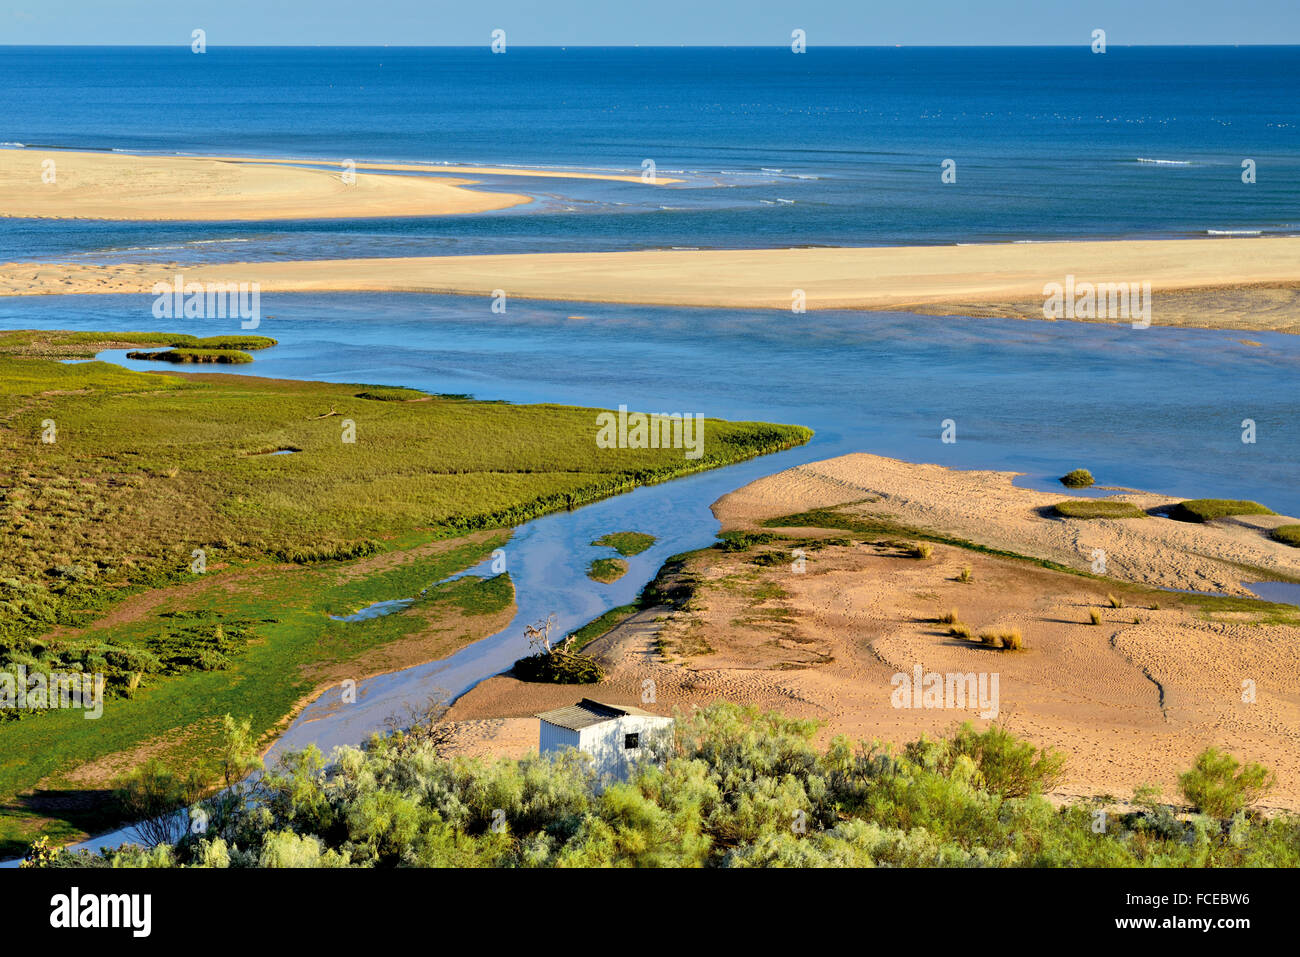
{"x": 1248, "y": 284}
{"x": 1130, "y": 701}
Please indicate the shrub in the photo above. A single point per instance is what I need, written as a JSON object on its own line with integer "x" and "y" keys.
{"x": 1007, "y": 765}
{"x": 1094, "y": 616}
{"x": 1097, "y": 508}
{"x": 559, "y": 668}
{"x": 1287, "y": 535}
{"x": 1114, "y": 601}
{"x": 958, "y": 630}
{"x": 1220, "y": 786}
{"x": 966, "y": 576}
{"x": 1207, "y": 509}
{"x": 1079, "y": 478}
{"x": 922, "y": 550}
{"x": 949, "y": 617}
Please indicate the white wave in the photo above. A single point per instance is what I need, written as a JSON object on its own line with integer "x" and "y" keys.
{"x": 1234, "y": 232}
{"x": 16, "y": 146}
{"x": 1159, "y": 162}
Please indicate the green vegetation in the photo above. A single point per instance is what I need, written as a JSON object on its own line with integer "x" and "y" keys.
{"x": 606, "y": 570}
{"x": 626, "y": 544}
{"x": 84, "y": 345}
{"x": 224, "y": 356}
{"x": 722, "y": 793}
{"x": 1287, "y": 535}
{"x": 1218, "y": 785}
{"x": 921, "y": 550}
{"x": 1079, "y": 478}
{"x": 603, "y": 625}
{"x": 118, "y": 483}
{"x": 1097, "y": 508}
{"x": 1208, "y": 509}
{"x": 385, "y": 393}
{"x": 559, "y": 669}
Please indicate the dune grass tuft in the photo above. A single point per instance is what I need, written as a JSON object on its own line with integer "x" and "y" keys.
{"x": 1006, "y": 639}
{"x": 1094, "y": 615}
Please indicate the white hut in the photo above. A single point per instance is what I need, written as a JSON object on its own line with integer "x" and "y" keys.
{"x": 615, "y": 736}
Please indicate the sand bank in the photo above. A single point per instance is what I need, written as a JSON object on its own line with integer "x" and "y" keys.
{"x": 1130, "y": 701}
{"x": 115, "y": 186}
{"x": 985, "y": 507}
{"x": 1249, "y": 284}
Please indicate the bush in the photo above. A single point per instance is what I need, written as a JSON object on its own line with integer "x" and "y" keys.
{"x": 1097, "y": 508}
{"x": 921, "y": 550}
{"x": 1114, "y": 601}
{"x": 1208, "y": 509}
{"x": 958, "y": 630}
{"x": 966, "y": 576}
{"x": 949, "y": 617}
{"x": 1079, "y": 478}
{"x": 560, "y": 668}
{"x": 1218, "y": 785}
{"x": 1094, "y": 616}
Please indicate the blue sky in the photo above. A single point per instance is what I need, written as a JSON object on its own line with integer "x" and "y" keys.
{"x": 649, "y": 22}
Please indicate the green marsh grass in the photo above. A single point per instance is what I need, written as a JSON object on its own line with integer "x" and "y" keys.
{"x": 1097, "y": 508}
{"x": 1208, "y": 509}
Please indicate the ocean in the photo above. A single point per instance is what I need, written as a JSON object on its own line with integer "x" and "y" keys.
{"x": 836, "y": 146}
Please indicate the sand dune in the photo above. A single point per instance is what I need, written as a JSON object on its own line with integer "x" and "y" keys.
{"x": 1220, "y": 283}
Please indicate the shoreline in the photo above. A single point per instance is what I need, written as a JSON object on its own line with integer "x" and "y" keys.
{"x": 1246, "y": 284}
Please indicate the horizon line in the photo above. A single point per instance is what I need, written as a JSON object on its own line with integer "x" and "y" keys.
{"x": 648, "y": 46}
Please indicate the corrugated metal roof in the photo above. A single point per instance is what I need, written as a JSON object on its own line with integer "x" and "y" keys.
{"x": 587, "y": 712}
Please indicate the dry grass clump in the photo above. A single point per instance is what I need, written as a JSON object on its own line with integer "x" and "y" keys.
{"x": 1004, "y": 639}
{"x": 1094, "y": 616}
